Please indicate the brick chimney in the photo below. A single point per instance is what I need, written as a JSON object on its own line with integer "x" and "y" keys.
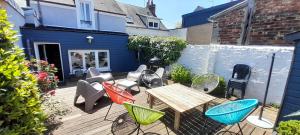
{"x": 151, "y": 6}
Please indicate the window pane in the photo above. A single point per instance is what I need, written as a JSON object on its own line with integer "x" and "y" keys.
{"x": 82, "y": 11}
{"x": 155, "y": 25}
{"x": 150, "y": 24}
{"x": 88, "y": 13}
{"x": 76, "y": 60}
{"x": 103, "y": 59}
{"x": 90, "y": 59}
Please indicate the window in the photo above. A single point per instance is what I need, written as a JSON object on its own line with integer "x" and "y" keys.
{"x": 83, "y": 59}
{"x": 154, "y": 25}
{"x": 85, "y": 12}
{"x": 129, "y": 19}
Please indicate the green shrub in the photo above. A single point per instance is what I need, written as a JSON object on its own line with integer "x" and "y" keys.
{"x": 291, "y": 127}
{"x": 180, "y": 74}
{"x": 20, "y": 105}
{"x": 166, "y": 48}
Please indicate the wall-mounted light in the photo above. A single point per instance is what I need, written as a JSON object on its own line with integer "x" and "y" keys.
{"x": 90, "y": 39}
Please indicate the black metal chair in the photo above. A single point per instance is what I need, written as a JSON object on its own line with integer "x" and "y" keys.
{"x": 240, "y": 77}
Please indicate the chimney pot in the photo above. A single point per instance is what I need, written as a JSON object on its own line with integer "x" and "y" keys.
{"x": 152, "y": 7}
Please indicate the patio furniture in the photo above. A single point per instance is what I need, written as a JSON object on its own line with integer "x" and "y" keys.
{"x": 90, "y": 92}
{"x": 116, "y": 95}
{"x": 231, "y": 113}
{"x": 240, "y": 77}
{"x": 153, "y": 79}
{"x": 135, "y": 75}
{"x": 180, "y": 98}
{"x": 128, "y": 84}
{"x": 93, "y": 75}
{"x": 143, "y": 115}
{"x": 206, "y": 83}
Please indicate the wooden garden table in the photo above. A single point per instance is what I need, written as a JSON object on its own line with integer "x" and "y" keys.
{"x": 180, "y": 98}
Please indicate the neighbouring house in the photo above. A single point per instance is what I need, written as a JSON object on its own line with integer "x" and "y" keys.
{"x": 260, "y": 22}
{"x": 143, "y": 21}
{"x": 15, "y": 16}
{"x": 77, "y": 34}
{"x": 199, "y": 28}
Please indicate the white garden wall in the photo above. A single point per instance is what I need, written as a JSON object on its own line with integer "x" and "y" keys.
{"x": 220, "y": 59}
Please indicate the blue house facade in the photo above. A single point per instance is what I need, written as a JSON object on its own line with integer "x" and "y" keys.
{"x": 71, "y": 51}
{"x": 77, "y": 34}
{"x": 291, "y": 99}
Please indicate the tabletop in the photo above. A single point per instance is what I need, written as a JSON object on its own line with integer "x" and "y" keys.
{"x": 180, "y": 97}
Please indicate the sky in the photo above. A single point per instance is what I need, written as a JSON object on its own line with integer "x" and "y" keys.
{"x": 172, "y": 10}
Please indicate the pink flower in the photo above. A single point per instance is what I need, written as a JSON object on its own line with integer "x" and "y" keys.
{"x": 42, "y": 75}
{"x": 52, "y": 92}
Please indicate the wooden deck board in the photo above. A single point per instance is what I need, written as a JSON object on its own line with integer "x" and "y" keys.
{"x": 192, "y": 122}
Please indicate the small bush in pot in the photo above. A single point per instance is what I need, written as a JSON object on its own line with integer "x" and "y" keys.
{"x": 291, "y": 127}
{"x": 180, "y": 74}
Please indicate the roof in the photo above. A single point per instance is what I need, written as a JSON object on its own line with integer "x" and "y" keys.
{"x": 109, "y": 6}
{"x": 135, "y": 15}
{"x": 53, "y": 28}
{"x": 228, "y": 10}
{"x": 295, "y": 36}
{"x": 201, "y": 16}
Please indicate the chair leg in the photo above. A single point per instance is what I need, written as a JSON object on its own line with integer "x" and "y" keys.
{"x": 138, "y": 129}
{"x": 75, "y": 99}
{"x": 243, "y": 92}
{"x": 240, "y": 128}
{"x": 227, "y": 92}
{"x": 139, "y": 88}
{"x": 167, "y": 129}
{"x": 108, "y": 111}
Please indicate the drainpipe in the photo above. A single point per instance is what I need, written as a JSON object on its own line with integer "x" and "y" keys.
{"x": 98, "y": 20}
{"x": 248, "y": 21}
{"x": 40, "y": 12}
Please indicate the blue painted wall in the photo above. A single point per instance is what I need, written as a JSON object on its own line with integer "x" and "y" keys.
{"x": 291, "y": 100}
{"x": 202, "y": 16}
{"x": 121, "y": 59}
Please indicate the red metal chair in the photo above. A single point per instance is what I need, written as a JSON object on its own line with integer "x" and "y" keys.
{"x": 116, "y": 95}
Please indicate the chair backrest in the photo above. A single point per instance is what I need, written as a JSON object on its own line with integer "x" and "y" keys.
{"x": 85, "y": 88}
{"x": 243, "y": 71}
{"x": 141, "y": 68}
{"x": 232, "y": 112}
{"x": 92, "y": 71}
{"x": 160, "y": 72}
{"x": 206, "y": 83}
{"x": 116, "y": 94}
{"x": 143, "y": 115}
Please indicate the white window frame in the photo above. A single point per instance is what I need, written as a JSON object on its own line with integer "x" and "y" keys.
{"x": 152, "y": 27}
{"x": 82, "y": 52}
{"x": 79, "y": 14}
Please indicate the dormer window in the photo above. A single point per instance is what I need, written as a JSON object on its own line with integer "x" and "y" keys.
{"x": 129, "y": 19}
{"x": 85, "y": 10}
{"x": 85, "y": 16}
{"x": 153, "y": 25}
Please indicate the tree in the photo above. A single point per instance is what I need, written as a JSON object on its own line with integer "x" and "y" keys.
{"x": 20, "y": 105}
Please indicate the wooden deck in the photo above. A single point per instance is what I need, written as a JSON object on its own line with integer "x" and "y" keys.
{"x": 119, "y": 123}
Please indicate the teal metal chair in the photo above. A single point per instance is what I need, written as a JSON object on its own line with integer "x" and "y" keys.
{"x": 233, "y": 112}
{"x": 143, "y": 115}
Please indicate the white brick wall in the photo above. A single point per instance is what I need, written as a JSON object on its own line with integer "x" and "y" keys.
{"x": 220, "y": 59}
